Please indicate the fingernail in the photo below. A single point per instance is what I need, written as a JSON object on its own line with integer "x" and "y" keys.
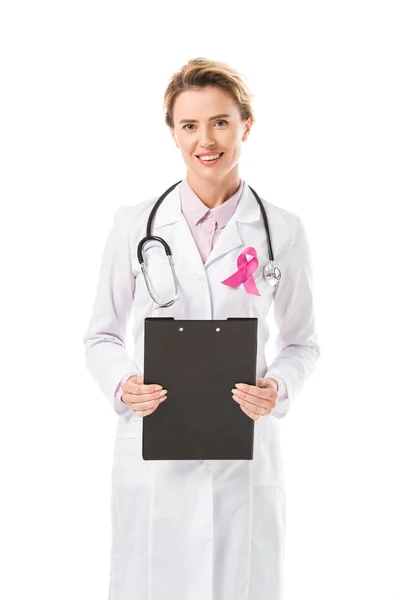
{"x": 157, "y": 387}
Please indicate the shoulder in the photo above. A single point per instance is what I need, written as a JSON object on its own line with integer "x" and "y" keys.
{"x": 281, "y": 214}
{"x": 286, "y": 224}
{"x": 130, "y": 222}
{"x": 132, "y": 218}
{"x": 134, "y": 213}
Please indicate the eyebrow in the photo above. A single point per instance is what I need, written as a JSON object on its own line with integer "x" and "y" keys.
{"x": 210, "y": 119}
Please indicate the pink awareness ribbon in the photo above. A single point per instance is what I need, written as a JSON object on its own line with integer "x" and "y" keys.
{"x": 244, "y": 272}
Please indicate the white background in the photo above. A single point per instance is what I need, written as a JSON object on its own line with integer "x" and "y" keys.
{"x": 82, "y": 133}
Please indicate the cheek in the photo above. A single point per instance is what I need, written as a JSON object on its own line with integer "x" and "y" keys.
{"x": 234, "y": 154}
{"x": 188, "y": 151}
{"x": 235, "y": 147}
{"x": 183, "y": 144}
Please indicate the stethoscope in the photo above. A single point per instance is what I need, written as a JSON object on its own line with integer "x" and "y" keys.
{"x": 271, "y": 273}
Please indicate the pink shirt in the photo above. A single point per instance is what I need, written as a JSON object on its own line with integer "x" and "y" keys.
{"x": 206, "y": 225}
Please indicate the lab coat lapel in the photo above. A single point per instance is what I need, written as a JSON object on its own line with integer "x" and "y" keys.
{"x": 171, "y": 224}
{"x": 232, "y": 235}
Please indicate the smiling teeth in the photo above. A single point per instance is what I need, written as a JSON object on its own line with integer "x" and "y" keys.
{"x": 214, "y": 156}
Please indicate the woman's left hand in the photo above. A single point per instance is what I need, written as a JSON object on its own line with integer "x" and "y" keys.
{"x": 257, "y": 400}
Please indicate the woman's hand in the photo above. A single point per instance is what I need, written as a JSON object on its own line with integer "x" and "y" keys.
{"x": 142, "y": 398}
{"x": 257, "y": 400}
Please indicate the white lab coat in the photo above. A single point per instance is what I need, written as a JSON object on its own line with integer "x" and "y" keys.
{"x": 200, "y": 530}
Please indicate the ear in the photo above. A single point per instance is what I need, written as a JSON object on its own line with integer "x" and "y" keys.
{"x": 247, "y": 128}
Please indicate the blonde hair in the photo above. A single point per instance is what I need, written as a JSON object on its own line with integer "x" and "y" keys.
{"x": 200, "y": 73}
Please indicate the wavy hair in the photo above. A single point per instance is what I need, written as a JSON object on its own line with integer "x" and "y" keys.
{"x": 200, "y": 73}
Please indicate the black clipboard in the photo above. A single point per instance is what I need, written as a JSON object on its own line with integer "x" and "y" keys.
{"x": 198, "y": 362}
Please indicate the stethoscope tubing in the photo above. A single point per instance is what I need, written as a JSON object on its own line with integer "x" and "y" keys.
{"x": 273, "y": 276}
{"x": 164, "y": 243}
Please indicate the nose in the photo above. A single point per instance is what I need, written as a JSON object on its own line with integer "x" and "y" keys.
{"x": 206, "y": 139}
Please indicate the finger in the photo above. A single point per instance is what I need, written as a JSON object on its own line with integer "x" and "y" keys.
{"x": 253, "y": 402}
{"x": 135, "y": 385}
{"x": 250, "y": 414}
{"x": 261, "y": 396}
{"x": 142, "y": 388}
{"x": 264, "y": 382}
{"x": 134, "y": 379}
{"x": 261, "y": 408}
{"x": 256, "y": 391}
{"x": 148, "y": 411}
{"x": 137, "y": 402}
{"x": 144, "y": 413}
{"x": 139, "y": 396}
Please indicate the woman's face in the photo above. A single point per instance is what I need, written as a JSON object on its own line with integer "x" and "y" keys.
{"x": 207, "y": 121}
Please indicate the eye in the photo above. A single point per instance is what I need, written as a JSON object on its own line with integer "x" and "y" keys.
{"x": 191, "y": 124}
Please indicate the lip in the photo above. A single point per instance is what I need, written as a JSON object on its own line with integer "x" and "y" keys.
{"x": 210, "y": 163}
{"x": 208, "y": 153}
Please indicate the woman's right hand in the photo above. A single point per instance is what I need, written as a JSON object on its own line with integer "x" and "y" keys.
{"x": 143, "y": 399}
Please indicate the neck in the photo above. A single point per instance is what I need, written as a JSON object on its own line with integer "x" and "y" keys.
{"x": 213, "y": 192}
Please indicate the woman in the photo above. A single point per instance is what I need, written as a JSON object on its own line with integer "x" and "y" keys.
{"x": 202, "y": 530}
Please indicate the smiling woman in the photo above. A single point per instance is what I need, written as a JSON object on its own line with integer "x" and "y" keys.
{"x": 202, "y": 529}
{"x": 209, "y": 115}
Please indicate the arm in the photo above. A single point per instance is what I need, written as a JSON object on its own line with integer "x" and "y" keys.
{"x": 298, "y": 350}
{"x": 106, "y": 357}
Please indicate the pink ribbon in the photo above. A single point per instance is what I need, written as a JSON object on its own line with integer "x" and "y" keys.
{"x": 244, "y": 272}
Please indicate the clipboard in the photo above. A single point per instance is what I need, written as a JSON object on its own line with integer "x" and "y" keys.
{"x": 198, "y": 362}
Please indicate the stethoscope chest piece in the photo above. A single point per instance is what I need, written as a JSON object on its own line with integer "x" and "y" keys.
{"x": 272, "y": 274}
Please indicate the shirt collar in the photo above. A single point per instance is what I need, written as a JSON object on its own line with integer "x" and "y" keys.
{"x": 195, "y": 210}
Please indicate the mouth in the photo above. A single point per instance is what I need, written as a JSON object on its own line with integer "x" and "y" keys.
{"x": 207, "y": 161}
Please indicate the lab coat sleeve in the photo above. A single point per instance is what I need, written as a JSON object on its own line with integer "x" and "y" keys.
{"x": 282, "y": 389}
{"x": 106, "y": 357}
{"x": 297, "y": 345}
